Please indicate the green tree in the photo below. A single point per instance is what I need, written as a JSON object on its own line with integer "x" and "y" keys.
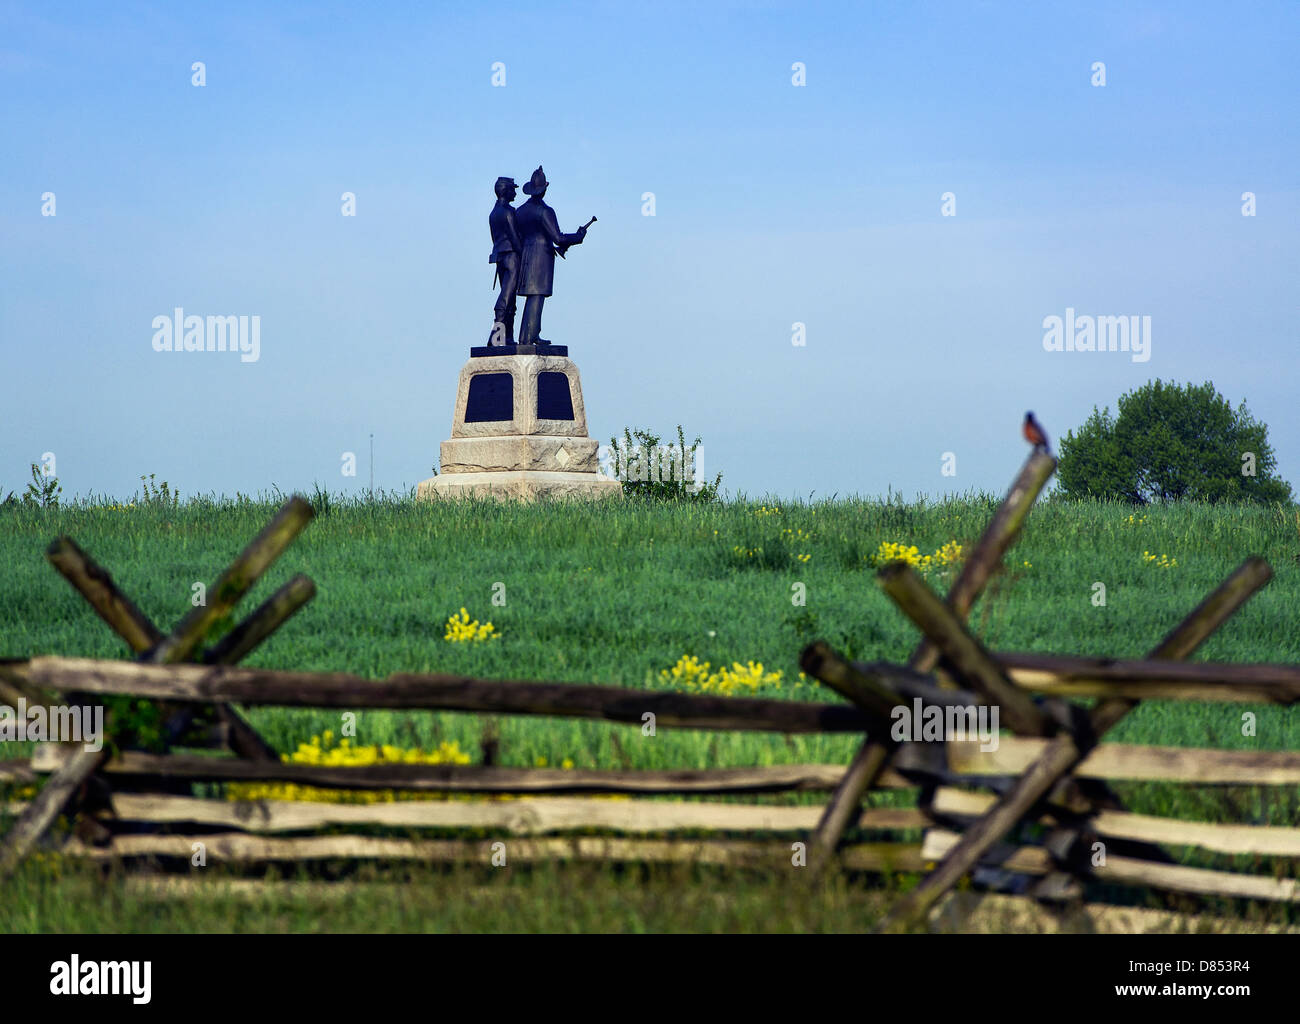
{"x": 44, "y": 490}
{"x": 1171, "y": 443}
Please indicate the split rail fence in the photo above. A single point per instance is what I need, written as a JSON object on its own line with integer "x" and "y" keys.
{"x": 1030, "y": 815}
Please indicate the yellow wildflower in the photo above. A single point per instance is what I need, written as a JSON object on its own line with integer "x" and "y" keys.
{"x": 461, "y": 629}
{"x": 320, "y": 751}
{"x": 693, "y": 675}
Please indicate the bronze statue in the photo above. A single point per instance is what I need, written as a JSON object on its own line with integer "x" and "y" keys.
{"x": 542, "y": 241}
{"x": 506, "y": 249}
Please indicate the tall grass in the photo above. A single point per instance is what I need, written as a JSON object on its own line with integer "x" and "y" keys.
{"x": 615, "y": 592}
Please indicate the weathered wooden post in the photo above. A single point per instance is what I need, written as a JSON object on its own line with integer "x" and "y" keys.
{"x": 97, "y": 586}
{"x": 978, "y": 569}
{"x": 1067, "y": 750}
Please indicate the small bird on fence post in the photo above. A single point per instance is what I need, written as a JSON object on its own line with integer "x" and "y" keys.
{"x": 1035, "y": 434}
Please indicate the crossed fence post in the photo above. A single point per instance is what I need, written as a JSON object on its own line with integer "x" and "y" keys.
{"x": 1067, "y": 749}
{"x": 872, "y": 758}
{"x": 153, "y": 647}
{"x": 876, "y": 689}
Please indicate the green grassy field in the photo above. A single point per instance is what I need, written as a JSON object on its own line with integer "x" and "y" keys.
{"x": 615, "y": 593}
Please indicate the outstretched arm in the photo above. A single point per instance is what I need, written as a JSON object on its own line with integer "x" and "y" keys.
{"x": 559, "y": 238}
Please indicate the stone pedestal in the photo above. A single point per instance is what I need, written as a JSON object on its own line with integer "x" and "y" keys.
{"x": 519, "y": 431}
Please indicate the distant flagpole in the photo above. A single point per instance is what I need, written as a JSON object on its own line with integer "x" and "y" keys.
{"x": 372, "y": 467}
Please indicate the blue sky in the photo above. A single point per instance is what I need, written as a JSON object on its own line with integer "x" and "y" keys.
{"x": 774, "y": 204}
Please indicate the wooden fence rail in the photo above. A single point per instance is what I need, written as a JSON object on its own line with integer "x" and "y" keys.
{"x": 250, "y": 686}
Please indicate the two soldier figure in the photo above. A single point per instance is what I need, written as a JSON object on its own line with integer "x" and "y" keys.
{"x": 525, "y": 243}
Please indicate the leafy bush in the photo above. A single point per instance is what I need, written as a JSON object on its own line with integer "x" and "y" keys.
{"x": 134, "y": 723}
{"x": 650, "y": 469}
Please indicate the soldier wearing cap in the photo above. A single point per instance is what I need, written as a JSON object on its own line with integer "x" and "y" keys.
{"x": 541, "y": 236}
{"x": 506, "y": 250}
